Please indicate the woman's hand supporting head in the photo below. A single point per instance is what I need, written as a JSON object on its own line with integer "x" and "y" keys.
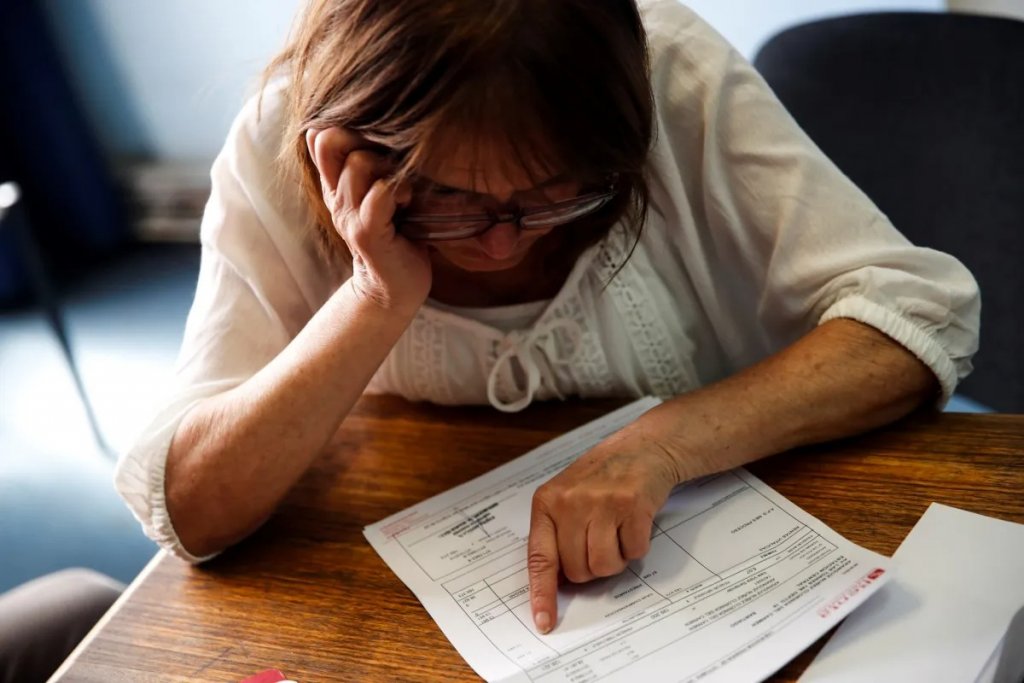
{"x": 388, "y": 269}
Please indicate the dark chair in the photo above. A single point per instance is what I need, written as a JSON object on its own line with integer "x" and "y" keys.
{"x": 925, "y": 112}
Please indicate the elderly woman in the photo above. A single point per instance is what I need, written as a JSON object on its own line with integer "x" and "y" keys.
{"x": 512, "y": 201}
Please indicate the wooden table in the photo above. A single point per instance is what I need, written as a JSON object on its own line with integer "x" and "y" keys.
{"x": 308, "y": 595}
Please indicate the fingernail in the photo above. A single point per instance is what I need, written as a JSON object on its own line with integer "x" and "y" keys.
{"x": 543, "y": 622}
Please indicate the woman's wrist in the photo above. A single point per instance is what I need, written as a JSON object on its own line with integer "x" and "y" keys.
{"x": 697, "y": 437}
{"x": 351, "y": 302}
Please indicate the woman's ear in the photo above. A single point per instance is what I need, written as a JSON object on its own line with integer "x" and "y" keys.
{"x": 315, "y": 145}
{"x": 311, "y": 144}
{"x": 328, "y": 148}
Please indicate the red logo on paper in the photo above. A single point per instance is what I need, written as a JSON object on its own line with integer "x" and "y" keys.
{"x": 835, "y": 605}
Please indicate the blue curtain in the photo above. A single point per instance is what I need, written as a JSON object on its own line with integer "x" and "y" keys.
{"x": 69, "y": 199}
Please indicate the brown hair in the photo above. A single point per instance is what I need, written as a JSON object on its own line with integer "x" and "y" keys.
{"x": 562, "y": 84}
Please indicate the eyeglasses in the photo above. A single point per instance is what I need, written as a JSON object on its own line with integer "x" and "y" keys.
{"x": 440, "y": 227}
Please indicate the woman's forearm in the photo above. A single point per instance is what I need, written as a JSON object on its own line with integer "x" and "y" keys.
{"x": 236, "y": 455}
{"x": 840, "y": 379}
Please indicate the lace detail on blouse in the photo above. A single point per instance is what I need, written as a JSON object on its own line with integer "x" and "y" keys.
{"x": 589, "y": 367}
{"x": 666, "y": 362}
{"x": 428, "y": 354}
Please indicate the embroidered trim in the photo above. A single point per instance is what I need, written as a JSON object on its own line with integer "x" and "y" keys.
{"x": 428, "y": 360}
{"x": 665, "y": 361}
{"x": 589, "y": 369}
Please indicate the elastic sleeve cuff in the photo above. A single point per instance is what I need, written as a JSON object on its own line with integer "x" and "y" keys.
{"x": 140, "y": 478}
{"x": 905, "y": 332}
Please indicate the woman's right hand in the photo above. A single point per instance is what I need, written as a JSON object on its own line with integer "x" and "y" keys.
{"x": 387, "y": 269}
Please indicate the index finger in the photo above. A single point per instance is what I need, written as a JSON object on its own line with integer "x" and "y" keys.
{"x": 542, "y": 566}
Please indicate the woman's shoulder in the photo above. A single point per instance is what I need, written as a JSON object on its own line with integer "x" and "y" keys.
{"x": 250, "y": 160}
{"x": 257, "y": 131}
{"x": 256, "y": 217}
{"x": 666, "y": 15}
{"x": 682, "y": 46}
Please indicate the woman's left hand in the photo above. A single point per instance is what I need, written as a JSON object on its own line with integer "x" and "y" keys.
{"x": 596, "y": 515}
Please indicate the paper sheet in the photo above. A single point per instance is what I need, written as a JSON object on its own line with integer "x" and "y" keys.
{"x": 959, "y": 580}
{"x": 737, "y": 582}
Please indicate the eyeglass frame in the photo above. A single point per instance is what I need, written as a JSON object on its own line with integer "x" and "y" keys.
{"x": 492, "y": 218}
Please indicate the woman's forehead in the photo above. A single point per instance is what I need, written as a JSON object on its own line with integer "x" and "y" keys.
{"x": 489, "y": 167}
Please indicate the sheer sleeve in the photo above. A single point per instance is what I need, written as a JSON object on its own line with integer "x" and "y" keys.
{"x": 258, "y": 284}
{"x": 777, "y": 238}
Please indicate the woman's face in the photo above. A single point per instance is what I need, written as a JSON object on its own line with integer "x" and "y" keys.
{"x": 481, "y": 183}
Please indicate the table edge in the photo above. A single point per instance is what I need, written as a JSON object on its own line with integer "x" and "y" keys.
{"x": 69, "y": 662}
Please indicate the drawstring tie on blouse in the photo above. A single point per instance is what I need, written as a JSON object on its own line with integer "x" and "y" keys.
{"x": 537, "y": 354}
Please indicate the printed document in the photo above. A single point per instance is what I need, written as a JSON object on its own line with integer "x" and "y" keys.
{"x": 738, "y": 580}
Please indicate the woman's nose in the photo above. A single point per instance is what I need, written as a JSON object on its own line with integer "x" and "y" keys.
{"x": 500, "y": 241}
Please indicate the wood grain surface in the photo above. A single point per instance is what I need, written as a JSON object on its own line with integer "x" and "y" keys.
{"x": 308, "y": 595}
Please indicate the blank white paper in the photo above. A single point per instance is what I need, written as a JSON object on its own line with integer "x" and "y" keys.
{"x": 958, "y": 580}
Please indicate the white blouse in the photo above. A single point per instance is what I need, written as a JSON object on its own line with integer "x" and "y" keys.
{"x": 753, "y": 237}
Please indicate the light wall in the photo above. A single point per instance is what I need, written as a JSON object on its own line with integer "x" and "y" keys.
{"x": 164, "y": 79}
{"x": 1002, "y": 8}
